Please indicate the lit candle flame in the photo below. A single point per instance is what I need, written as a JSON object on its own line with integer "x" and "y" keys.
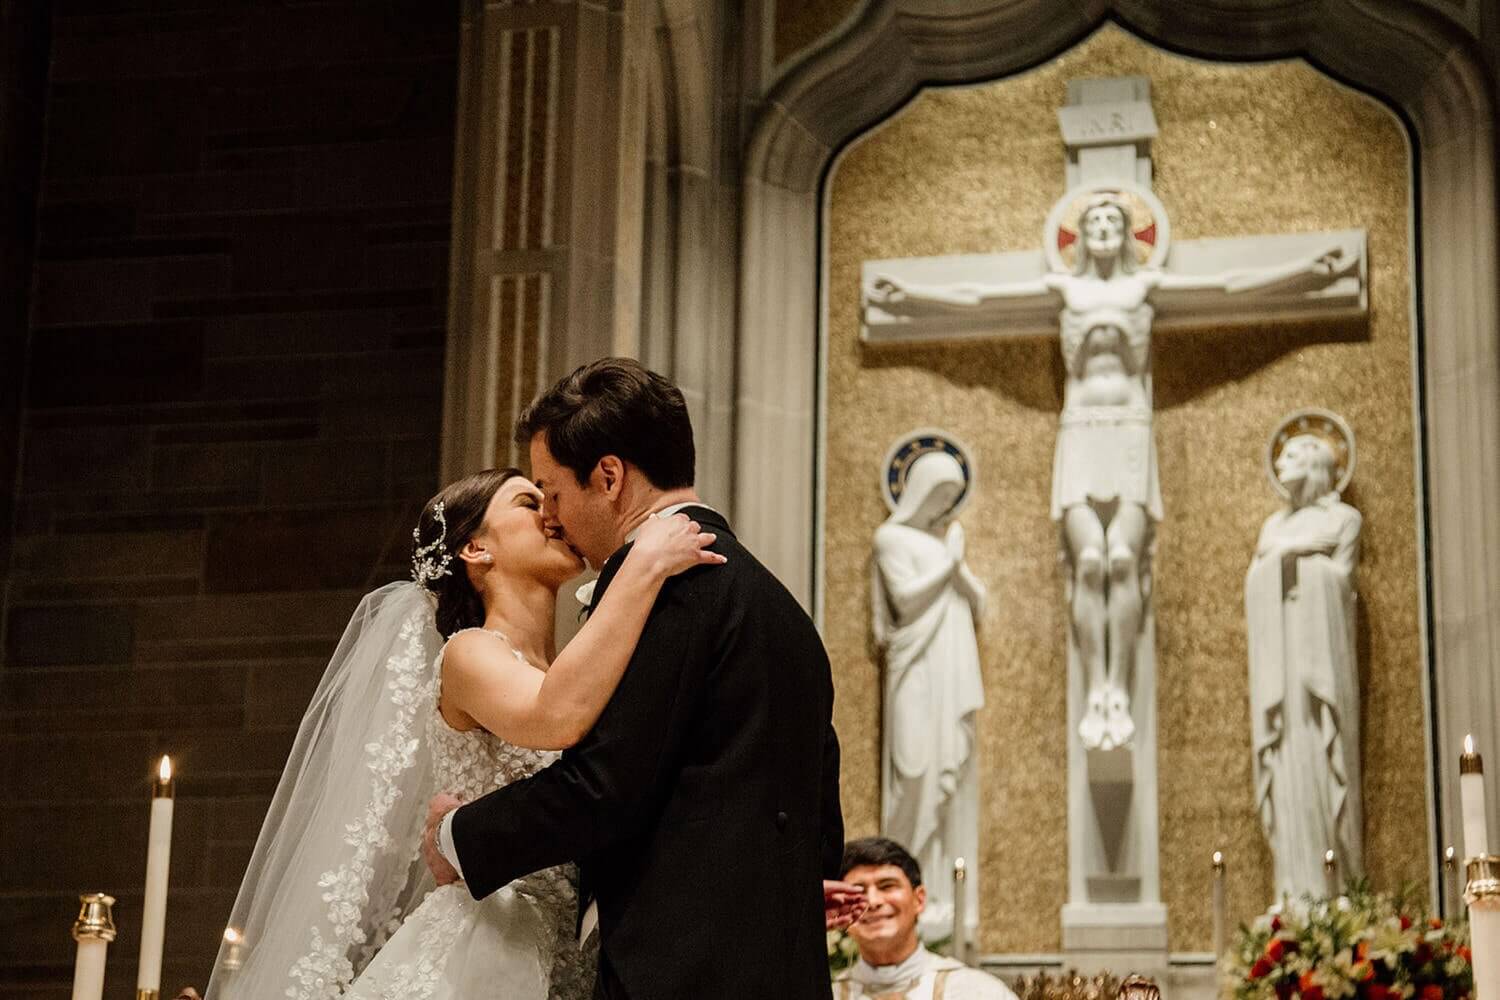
{"x": 231, "y": 936}
{"x": 165, "y": 770}
{"x": 1328, "y": 856}
{"x": 1469, "y": 743}
{"x": 1218, "y": 858}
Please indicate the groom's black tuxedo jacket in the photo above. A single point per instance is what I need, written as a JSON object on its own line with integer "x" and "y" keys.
{"x": 703, "y": 808}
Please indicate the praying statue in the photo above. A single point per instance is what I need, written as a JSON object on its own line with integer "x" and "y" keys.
{"x": 1300, "y": 606}
{"x": 1105, "y": 496}
{"x": 926, "y": 601}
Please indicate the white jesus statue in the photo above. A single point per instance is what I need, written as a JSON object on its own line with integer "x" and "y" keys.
{"x": 1105, "y": 495}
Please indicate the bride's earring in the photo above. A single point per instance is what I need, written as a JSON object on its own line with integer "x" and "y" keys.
{"x": 486, "y": 558}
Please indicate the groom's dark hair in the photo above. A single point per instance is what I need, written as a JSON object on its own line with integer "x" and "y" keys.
{"x": 615, "y": 406}
{"x": 877, "y": 851}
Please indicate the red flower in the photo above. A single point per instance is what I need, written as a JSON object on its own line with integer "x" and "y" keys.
{"x": 1405, "y": 922}
{"x": 1261, "y": 968}
{"x": 1468, "y": 956}
{"x": 1276, "y": 923}
{"x": 1377, "y": 991}
{"x": 1432, "y": 991}
{"x": 1434, "y": 923}
{"x": 1309, "y": 989}
{"x": 1362, "y": 950}
{"x": 1275, "y": 948}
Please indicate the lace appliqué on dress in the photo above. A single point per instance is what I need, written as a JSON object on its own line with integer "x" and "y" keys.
{"x": 327, "y": 968}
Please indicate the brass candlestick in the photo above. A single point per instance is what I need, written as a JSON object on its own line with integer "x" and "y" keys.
{"x": 96, "y": 918}
{"x": 1484, "y": 878}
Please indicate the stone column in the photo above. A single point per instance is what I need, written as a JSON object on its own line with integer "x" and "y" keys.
{"x": 546, "y": 213}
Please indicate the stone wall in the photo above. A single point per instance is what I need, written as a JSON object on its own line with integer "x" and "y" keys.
{"x": 231, "y": 416}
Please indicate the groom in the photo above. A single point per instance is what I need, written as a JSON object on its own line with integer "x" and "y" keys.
{"x": 703, "y": 808}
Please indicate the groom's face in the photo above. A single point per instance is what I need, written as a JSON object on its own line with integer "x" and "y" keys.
{"x": 583, "y": 511}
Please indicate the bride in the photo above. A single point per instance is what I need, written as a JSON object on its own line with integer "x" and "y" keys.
{"x": 336, "y": 902}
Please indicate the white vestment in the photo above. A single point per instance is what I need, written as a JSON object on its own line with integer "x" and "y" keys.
{"x": 1304, "y": 695}
{"x": 923, "y": 976}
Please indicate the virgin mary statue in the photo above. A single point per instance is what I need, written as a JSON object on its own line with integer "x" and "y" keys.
{"x": 925, "y": 601}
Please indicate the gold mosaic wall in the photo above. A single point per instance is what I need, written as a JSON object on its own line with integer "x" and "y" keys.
{"x": 1243, "y": 149}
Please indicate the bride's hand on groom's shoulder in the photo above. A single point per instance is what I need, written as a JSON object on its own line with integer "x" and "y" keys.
{"x": 439, "y": 806}
{"x": 672, "y": 545}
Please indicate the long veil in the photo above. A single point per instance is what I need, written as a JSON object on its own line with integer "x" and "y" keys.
{"x": 337, "y": 864}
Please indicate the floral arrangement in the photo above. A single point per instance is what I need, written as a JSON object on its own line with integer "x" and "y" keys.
{"x": 1363, "y": 945}
{"x": 842, "y": 952}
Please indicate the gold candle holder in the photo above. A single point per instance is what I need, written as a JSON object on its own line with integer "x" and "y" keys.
{"x": 93, "y": 930}
{"x": 1469, "y": 762}
{"x": 96, "y": 918}
{"x": 1484, "y": 878}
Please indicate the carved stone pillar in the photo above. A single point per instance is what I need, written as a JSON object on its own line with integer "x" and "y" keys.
{"x": 546, "y": 217}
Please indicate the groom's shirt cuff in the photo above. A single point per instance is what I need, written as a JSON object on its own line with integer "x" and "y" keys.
{"x": 445, "y": 842}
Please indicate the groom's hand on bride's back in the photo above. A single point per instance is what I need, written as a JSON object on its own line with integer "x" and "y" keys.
{"x": 440, "y": 805}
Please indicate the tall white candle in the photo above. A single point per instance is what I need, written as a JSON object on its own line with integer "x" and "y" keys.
{"x": 1483, "y": 897}
{"x": 1484, "y": 930}
{"x": 233, "y": 960}
{"x": 1471, "y": 794}
{"x": 960, "y": 918}
{"x": 1451, "y": 886}
{"x": 93, "y": 930}
{"x": 154, "y": 907}
{"x": 1221, "y": 906}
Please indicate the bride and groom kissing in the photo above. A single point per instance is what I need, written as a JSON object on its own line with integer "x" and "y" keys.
{"x": 428, "y": 840}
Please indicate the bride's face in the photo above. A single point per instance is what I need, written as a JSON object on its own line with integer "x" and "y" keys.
{"x": 520, "y": 540}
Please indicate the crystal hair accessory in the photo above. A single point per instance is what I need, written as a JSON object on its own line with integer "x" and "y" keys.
{"x": 425, "y": 567}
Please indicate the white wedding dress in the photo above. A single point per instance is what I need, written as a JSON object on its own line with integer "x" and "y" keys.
{"x": 516, "y": 944}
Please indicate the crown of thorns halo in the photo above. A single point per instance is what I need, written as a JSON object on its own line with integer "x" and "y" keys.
{"x": 425, "y": 567}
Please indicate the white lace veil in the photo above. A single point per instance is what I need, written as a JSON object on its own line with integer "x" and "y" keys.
{"x": 338, "y": 864}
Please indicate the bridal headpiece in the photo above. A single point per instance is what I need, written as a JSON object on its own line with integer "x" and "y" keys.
{"x": 426, "y": 567}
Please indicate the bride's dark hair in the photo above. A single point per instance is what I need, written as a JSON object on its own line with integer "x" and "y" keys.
{"x": 463, "y": 505}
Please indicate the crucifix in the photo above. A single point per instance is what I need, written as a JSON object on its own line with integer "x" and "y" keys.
{"x": 1107, "y": 273}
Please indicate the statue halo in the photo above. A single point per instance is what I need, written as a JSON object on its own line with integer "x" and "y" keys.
{"x": 913, "y": 445}
{"x": 1333, "y": 429}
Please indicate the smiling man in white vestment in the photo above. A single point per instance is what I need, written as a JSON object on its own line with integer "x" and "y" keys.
{"x": 892, "y": 964}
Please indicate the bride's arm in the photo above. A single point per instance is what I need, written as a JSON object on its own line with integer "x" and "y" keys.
{"x": 552, "y": 710}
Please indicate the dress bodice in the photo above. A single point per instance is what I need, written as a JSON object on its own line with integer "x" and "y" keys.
{"x": 472, "y": 763}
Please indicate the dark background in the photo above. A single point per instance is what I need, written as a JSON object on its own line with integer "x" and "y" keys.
{"x": 223, "y": 266}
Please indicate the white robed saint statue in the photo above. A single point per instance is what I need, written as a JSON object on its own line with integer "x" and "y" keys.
{"x": 926, "y": 601}
{"x": 1300, "y": 606}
